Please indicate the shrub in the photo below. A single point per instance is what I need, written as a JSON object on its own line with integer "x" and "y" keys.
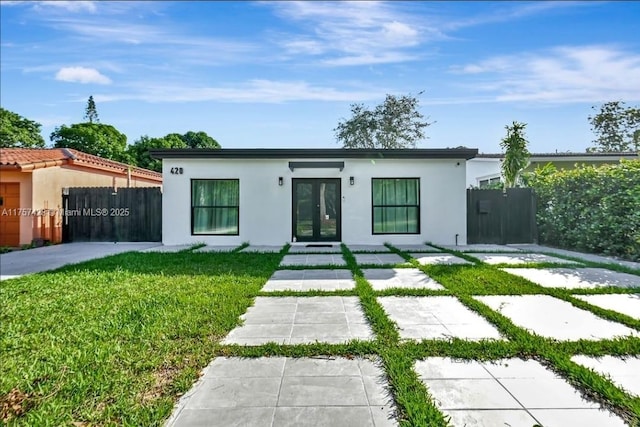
{"x": 593, "y": 209}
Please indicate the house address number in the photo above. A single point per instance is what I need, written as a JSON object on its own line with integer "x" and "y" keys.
{"x": 176, "y": 171}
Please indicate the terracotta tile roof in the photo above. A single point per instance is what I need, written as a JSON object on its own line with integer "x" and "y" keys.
{"x": 35, "y": 158}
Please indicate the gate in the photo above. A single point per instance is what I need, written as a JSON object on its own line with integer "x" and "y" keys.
{"x": 498, "y": 217}
{"x": 104, "y": 214}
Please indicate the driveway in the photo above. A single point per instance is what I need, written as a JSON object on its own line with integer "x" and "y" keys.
{"x": 18, "y": 263}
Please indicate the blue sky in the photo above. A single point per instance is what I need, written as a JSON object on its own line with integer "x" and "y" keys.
{"x": 282, "y": 74}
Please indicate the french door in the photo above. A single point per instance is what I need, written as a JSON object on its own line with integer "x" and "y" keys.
{"x": 316, "y": 209}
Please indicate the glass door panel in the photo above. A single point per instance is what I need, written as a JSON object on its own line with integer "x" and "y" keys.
{"x": 304, "y": 208}
{"x": 316, "y": 209}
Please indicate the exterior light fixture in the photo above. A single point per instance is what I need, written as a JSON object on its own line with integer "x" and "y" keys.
{"x": 352, "y": 180}
{"x": 280, "y": 181}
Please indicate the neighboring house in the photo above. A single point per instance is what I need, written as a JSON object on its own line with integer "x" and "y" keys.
{"x": 274, "y": 196}
{"x": 485, "y": 169}
{"x": 32, "y": 181}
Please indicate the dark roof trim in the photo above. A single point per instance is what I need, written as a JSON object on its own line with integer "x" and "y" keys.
{"x": 316, "y": 165}
{"x": 561, "y": 155}
{"x": 314, "y": 153}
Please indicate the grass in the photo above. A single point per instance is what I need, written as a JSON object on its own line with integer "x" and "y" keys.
{"x": 116, "y": 341}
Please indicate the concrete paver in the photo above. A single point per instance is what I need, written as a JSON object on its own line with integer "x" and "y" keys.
{"x": 306, "y": 280}
{"x": 576, "y": 278}
{"x": 262, "y": 248}
{"x": 288, "y": 392}
{"x": 579, "y": 255}
{"x": 298, "y": 320}
{"x": 554, "y": 318}
{"x": 416, "y": 248}
{"x": 368, "y": 248}
{"x": 379, "y": 259}
{"x": 312, "y": 260}
{"x": 438, "y": 317}
{"x": 18, "y": 263}
{"x": 628, "y": 304}
{"x": 301, "y": 249}
{"x": 407, "y": 278}
{"x": 625, "y": 373}
{"x": 481, "y": 248}
{"x": 520, "y": 258}
{"x": 441, "y": 258}
{"x": 505, "y": 392}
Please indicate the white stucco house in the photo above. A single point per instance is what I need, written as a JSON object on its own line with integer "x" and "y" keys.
{"x": 275, "y": 196}
{"x": 485, "y": 169}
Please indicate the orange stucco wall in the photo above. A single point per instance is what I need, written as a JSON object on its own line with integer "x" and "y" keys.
{"x": 42, "y": 188}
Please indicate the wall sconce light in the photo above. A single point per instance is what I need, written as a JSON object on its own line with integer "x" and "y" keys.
{"x": 280, "y": 181}
{"x": 352, "y": 180}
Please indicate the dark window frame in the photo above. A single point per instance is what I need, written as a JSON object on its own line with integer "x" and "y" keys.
{"x": 237, "y": 207}
{"x": 374, "y": 206}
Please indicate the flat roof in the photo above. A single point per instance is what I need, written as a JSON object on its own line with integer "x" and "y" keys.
{"x": 570, "y": 155}
{"x": 314, "y": 153}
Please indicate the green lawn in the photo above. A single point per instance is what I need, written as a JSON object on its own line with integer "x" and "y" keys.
{"x": 116, "y": 341}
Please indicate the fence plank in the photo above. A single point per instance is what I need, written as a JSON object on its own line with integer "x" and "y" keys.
{"x": 104, "y": 215}
{"x": 498, "y": 217}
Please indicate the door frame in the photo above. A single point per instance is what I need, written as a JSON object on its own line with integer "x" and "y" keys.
{"x": 315, "y": 195}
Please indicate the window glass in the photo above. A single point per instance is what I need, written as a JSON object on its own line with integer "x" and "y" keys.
{"x": 215, "y": 206}
{"x": 396, "y": 205}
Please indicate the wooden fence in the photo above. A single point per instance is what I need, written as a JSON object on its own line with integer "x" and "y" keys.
{"x": 105, "y": 214}
{"x": 498, "y": 217}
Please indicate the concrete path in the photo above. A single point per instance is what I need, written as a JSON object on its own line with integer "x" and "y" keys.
{"x": 19, "y": 263}
{"x": 509, "y": 392}
{"x": 281, "y": 391}
{"x": 579, "y": 255}
{"x": 332, "y": 391}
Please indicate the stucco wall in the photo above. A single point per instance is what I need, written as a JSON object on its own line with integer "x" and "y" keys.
{"x": 265, "y": 207}
{"x": 42, "y": 189}
{"x": 48, "y": 183}
{"x": 482, "y": 168}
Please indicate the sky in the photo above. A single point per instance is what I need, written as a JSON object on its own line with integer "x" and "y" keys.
{"x": 283, "y": 74}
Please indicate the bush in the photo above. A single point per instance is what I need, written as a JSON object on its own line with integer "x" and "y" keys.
{"x": 593, "y": 209}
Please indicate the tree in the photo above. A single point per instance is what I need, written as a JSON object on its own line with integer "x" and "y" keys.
{"x": 139, "y": 150}
{"x": 199, "y": 140}
{"x": 91, "y": 113}
{"x": 19, "y": 132}
{"x": 516, "y": 155}
{"x": 396, "y": 123}
{"x": 93, "y": 138}
{"x": 616, "y": 128}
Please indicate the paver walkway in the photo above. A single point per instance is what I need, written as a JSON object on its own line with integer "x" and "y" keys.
{"x": 510, "y": 392}
{"x": 554, "y": 318}
{"x": 298, "y": 320}
{"x": 334, "y": 391}
{"x": 578, "y": 278}
{"x": 280, "y": 391}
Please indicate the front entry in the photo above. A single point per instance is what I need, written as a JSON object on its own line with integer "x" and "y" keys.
{"x": 316, "y": 210}
{"x": 10, "y": 214}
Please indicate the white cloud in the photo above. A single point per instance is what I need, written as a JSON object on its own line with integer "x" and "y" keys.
{"x": 252, "y": 91}
{"x": 350, "y": 33}
{"x": 82, "y": 75}
{"x": 67, "y": 6}
{"x": 562, "y": 74}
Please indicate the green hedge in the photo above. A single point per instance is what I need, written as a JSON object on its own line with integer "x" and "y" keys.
{"x": 593, "y": 209}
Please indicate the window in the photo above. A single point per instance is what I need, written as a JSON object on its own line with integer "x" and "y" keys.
{"x": 489, "y": 182}
{"x": 215, "y": 206}
{"x": 396, "y": 205}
